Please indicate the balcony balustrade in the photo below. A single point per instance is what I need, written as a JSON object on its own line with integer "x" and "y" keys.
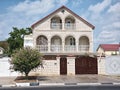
{"x": 83, "y": 47}
{"x": 42, "y": 48}
{"x": 59, "y": 26}
{"x": 56, "y": 25}
{"x": 70, "y": 48}
{"x": 56, "y": 48}
{"x": 69, "y": 26}
{"x": 59, "y": 49}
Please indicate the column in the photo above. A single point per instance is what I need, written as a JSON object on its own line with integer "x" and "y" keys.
{"x": 63, "y": 45}
{"x": 77, "y": 45}
{"x": 91, "y": 46}
{"x": 63, "y": 24}
{"x": 49, "y": 45}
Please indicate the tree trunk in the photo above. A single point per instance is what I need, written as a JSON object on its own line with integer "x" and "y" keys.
{"x": 26, "y": 75}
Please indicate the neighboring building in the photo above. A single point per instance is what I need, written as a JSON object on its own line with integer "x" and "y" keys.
{"x": 1, "y": 50}
{"x": 63, "y": 38}
{"x": 108, "y": 59}
{"x": 108, "y": 49}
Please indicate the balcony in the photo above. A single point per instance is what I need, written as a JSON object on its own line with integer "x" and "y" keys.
{"x": 42, "y": 48}
{"x": 70, "y": 48}
{"x": 59, "y": 49}
{"x": 69, "y": 26}
{"x": 83, "y": 48}
{"x": 56, "y": 48}
{"x": 56, "y": 25}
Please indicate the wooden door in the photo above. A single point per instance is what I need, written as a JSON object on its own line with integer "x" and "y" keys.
{"x": 63, "y": 66}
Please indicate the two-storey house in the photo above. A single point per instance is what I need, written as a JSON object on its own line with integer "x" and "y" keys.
{"x": 63, "y": 37}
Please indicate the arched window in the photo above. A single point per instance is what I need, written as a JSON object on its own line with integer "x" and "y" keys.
{"x": 72, "y": 41}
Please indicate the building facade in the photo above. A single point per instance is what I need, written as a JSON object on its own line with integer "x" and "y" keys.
{"x": 109, "y": 49}
{"x": 62, "y": 37}
{"x": 108, "y": 59}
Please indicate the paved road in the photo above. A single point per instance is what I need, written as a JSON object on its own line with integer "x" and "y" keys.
{"x": 100, "y": 87}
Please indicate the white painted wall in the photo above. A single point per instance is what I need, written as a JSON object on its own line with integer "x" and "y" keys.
{"x": 109, "y": 65}
{"x": 101, "y": 65}
{"x": 28, "y": 40}
{"x": 112, "y": 65}
{"x": 70, "y": 65}
{"x": 4, "y": 68}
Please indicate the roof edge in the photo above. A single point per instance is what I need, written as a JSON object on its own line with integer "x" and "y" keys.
{"x": 86, "y": 22}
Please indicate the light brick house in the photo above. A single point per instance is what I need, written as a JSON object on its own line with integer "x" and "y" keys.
{"x": 108, "y": 59}
{"x": 63, "y": 38}
{"x": 108, "y": 49}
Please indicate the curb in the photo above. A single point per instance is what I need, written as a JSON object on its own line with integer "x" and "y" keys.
{"x": 92, "y": 84}
{"x": 12, "y": 85}
{"x": 58, "y": 84}
{"x": 51, "y": 84}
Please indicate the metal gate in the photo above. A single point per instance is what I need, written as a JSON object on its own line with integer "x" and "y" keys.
{"x": 63, "y": 66}
{"x": 86, "y": 65}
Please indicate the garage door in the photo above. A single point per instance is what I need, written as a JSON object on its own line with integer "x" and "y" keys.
{"x": 86, "y": 65}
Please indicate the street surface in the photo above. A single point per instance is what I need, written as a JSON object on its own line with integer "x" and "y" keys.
{"x": 99, "y": 87}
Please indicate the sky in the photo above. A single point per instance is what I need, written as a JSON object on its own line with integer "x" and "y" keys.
{"x": 103, "y": 14}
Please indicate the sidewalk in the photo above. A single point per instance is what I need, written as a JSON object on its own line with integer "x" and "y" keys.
{"x": 7, "y": 80}
{"x": 79, "y": 79}
{"x": 67, "y": 80}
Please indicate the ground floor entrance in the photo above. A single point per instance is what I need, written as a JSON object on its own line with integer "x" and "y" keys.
{"x": 85, "y": 65}
{"x": 68, "y": 65}
{"x": 63, "y": 66}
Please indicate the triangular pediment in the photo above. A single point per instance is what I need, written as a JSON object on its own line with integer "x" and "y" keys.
{"x": 62, "y": 9}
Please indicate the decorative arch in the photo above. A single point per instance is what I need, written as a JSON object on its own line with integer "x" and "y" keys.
{"x": 84, "y": 43}
{"x": 41, "y": 40}
{"x": 69, "y": 22}
{"x": 56, "y": 40}
{"x": 70, "y": 40}
{"x": 70, "y": 44}
{"x": 56, "y": 44}
{"x": 70, "y": 18}
{"x": 56, "y": 22}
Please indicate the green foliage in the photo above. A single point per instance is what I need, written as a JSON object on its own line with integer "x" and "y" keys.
{"x": 25, "y": 60}
{"x": 16, "y": 39}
